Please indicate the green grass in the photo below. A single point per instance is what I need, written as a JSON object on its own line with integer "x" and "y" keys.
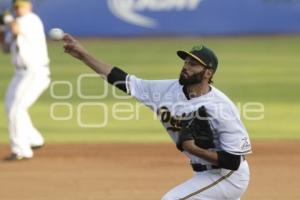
{"x": 256, "y": 69}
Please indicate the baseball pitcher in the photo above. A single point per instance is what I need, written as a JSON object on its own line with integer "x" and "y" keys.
{"x": 201, "y": 120}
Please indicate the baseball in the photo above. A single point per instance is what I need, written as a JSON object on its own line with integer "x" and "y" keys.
{"x": 56, "y": 34}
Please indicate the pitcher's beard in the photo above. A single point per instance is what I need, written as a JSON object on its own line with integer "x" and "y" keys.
{"x": 190, "y": 80}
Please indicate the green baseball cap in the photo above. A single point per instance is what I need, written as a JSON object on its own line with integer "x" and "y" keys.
{"x": 20, "y": 2}
{"x": 202, "y": 54}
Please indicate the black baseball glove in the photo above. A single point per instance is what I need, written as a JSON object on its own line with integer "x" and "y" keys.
{"x": 1, "y": 19}
{"x": 197, "y": 129}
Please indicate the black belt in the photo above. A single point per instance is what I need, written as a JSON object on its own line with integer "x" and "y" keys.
{"x": 200, "y": 168}
{"x": 25, "y": 68}
{"x": 197, "y": 167}
{"x": 22, "y": 67}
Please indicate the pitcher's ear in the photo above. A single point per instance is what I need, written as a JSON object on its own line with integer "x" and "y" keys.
{"x": 209, "y": 73}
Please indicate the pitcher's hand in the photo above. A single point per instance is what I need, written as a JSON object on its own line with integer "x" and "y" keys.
{"x": 73, "y": 47}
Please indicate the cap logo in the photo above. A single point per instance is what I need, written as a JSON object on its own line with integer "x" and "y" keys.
{"x": 197, "y": 48}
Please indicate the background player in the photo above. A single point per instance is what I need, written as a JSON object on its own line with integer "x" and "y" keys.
{"x": 27, "y": 42}
{"x": 200, "y": 119}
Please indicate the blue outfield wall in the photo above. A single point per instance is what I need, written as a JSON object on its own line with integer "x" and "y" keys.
{"x": 175, "y": 17}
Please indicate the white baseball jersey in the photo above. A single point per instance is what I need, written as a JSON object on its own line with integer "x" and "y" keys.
{"x": 167, "y": 99}
{"x": 29, "y": 49}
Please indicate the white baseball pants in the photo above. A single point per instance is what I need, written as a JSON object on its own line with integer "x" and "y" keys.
{"x": 216, "y": 184}
{"x": 24, "y": 89}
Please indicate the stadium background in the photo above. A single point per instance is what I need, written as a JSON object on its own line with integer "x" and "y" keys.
{"x": 257, "y": 43}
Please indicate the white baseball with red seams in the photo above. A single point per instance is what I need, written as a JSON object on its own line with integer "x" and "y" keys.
{"x": 56, "y": 34}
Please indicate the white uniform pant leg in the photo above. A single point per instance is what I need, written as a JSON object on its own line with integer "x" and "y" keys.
{"x": 41, "y": 83}
{"x": 13, "y": 104}
{"x": 217, "y": 184}
{"x": 23, "y": 91}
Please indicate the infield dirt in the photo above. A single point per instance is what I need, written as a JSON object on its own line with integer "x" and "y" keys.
{"x": 137, "y": 171}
